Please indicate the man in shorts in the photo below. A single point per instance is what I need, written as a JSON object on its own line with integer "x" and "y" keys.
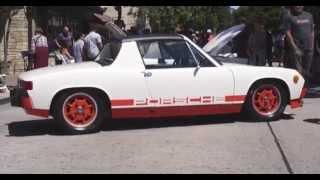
{"x": 299, "y": 29}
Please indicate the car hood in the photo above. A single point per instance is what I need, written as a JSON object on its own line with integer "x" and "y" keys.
{"x": 67, "y": 68}
{"x": 106, "y": 24}
{"x": 233, "y": 64}
{"x": 223, "y": 38}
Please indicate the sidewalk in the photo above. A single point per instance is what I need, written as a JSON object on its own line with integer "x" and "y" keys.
{"x": 11, "y": 81}
{"x": 4, "y": 97}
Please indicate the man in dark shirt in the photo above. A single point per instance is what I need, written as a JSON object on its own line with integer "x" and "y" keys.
{"x": 65, "y": 39}
{"x": 269, "y": 47}
{"x": 241, "y": 41}
{"x": 299, "y": 28}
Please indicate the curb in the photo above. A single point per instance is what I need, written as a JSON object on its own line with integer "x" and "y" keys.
{"x": 4, "y": 101}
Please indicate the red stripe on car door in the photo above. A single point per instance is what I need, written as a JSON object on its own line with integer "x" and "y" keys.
{"x": 122, "y": 102}
{"x": 235, "y": 98}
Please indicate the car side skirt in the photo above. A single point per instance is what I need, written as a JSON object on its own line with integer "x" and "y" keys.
{"x": 173, "y": 111}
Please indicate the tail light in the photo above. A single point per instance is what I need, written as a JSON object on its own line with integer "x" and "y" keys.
{"x": 26, "y": 85}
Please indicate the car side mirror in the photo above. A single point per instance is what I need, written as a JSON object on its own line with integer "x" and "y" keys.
{"x": 196, "y": 70}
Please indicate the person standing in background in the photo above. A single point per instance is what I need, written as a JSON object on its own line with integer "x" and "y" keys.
{"x": 258, "y": 44}
{"x": 92, "y": 44}
{"x": 39, "y": 47}
{"x": 65, "y": 39}
{"x": 269, "y": 48}
{"x": 78, "y": 47}
{"x": 299, "y": 28}
{"x": 210, "y": 35}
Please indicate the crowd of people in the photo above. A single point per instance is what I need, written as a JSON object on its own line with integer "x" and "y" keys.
{"x": 293, "y": 44}
{"x": 199, "y": 37}
{"x": 70, "y": 47}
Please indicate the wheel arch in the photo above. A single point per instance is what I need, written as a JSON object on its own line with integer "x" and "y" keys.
{"x": 99, "y": 91}
{"x": 273, "y": 80}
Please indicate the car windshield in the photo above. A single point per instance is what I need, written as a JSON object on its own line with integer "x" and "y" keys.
{"x": 109, "y": 53}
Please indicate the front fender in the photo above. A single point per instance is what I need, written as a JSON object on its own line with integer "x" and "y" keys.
{"x": 245, "y": 77}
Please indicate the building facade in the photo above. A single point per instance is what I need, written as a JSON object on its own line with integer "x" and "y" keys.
{"x": 18, "y": 24}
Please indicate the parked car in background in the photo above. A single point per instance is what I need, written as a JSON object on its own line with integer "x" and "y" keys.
{"x": 3, "y": 86}
{"x": 153, "y": 76}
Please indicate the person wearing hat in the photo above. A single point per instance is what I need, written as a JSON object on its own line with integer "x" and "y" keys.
{"x": 210, "y": 35}
{"x": 39, "y": 48}
{"x": 194, "y": 38}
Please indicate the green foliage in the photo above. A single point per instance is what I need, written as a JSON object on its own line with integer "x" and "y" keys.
{"x": 166, "y": 18}
{"x": 269, "y": 14}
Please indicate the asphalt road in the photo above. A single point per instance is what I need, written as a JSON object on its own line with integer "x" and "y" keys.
{"x": 215, "y": 144}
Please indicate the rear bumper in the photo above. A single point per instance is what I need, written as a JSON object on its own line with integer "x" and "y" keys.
{"x": 20, "y": 98}
{"x": 16, "y": 95}
{"x": 296, "y": 103}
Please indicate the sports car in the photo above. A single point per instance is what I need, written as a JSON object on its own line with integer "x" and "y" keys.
{"x": 150, "y": 77}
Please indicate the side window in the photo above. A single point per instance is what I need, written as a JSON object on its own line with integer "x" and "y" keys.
{"x": 203, "y": 61}
{"x": 166, "y": 54}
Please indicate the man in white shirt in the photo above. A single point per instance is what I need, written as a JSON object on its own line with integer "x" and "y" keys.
{"x": 78, "y": 47}
{"x": 93, "y": 44}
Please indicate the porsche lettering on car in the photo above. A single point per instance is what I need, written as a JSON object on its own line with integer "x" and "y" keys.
{"x": 154, "y": 76}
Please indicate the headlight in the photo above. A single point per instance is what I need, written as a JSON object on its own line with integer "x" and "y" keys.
{"x": 296, "y": 78}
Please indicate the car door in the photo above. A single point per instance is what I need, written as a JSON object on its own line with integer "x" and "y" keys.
{"x": 176, "y": 79}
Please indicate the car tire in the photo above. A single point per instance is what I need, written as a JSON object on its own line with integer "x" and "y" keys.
{"x": 266, "y": 101}
{"x": 79, "y": 112}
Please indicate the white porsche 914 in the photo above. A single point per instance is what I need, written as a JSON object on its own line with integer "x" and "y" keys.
{"x": 154, "y": 76}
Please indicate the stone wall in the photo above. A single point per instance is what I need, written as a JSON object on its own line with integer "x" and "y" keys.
{"x": 129, "y": 20}
{"x": 17, "y": 41}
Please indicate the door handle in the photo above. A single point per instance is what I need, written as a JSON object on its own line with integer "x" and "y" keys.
{"x": 147, "y": 74}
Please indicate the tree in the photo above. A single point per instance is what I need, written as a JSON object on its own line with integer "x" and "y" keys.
{"x": 166, "y": 18}
{"x": 269, "y": 14}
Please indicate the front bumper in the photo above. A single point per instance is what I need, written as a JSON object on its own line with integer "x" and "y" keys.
{"x": 20, "y": 98}
{"x": 296, "y": 103}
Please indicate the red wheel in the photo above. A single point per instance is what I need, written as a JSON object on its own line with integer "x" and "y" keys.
{"x": 266, "y": 101}
{"x": 80, "y": 110}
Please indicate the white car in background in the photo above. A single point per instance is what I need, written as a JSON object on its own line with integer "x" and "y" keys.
{"x": 3, "y": 86}
{"x": 153, "y": 76}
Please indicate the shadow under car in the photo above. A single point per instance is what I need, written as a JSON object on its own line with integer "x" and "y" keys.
{"x": 48, "y": 126}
